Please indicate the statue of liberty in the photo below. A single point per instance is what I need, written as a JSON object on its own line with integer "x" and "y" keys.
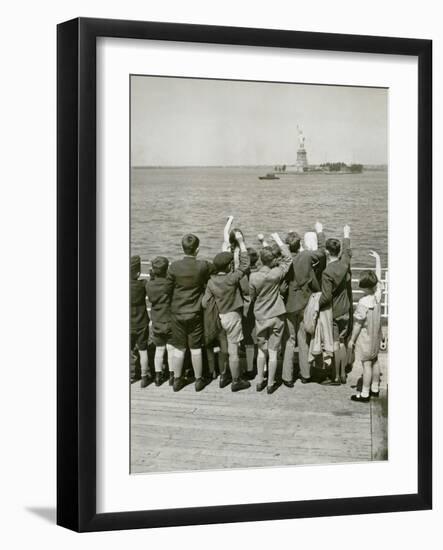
{"x": 302, "y": 157}
{"x": 301, "y": 138}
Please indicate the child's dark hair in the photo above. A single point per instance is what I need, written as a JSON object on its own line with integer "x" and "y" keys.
{"x": 267, "y": 256}
{"x": 333, "y": 246}
{"x": 253, "y": 256}
{"x": 160, "y": 266}
{"x": 190, "y": 243}
{"x": 293, "y": 241}
{"x": 368, "y": 279}
{"x": 232, "y": 239}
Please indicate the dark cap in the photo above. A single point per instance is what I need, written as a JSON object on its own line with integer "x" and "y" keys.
{"x": 222, "y": 260}
{"x": 135, "y": 263}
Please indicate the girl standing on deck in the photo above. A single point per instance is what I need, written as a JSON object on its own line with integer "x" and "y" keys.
{"x": 366, "y": 333}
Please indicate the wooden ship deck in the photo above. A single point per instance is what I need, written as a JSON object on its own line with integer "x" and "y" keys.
{"x": 216, "y": 428}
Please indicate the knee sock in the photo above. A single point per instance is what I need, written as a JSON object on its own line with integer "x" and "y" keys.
{"x": 367, "y": 378}
{"x": 211, "y": 359}
{"x": 197, "y": 362}
{"x": 335, "y": 367}
{"x": 250, "y": 352}
{"x": 272, "y": 366}
{"x": 144, "y": 362}
{"x": 177, "y": 362}
{"x": 234, "y": 363}
{"x": 261, "y": 362}
{"x": 342, "y": 353}
{"x": 235, "y": 367}
{"x": 170, "y": 351}
{"x": 158, "y": 359}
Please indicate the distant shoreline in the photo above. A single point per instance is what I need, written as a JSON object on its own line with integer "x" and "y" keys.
{"x": 366, "y": 167}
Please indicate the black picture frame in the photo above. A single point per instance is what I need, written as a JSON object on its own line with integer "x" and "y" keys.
{"x": 76, "y": 278}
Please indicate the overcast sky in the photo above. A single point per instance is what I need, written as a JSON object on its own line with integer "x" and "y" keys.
{"x": 193, "y": 122}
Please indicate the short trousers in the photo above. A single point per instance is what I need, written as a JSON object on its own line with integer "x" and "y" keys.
{"x": 187, "y": 330}
{"x": 340, "y": 328}
{"x": 139, "y": 338}
{"x": 161, "y": 333}
{"x": 270, "y": 332}
{"x": 232, "y": 324}
{"x": 366, "y": 358}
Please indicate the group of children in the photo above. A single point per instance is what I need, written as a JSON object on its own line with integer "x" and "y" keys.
{"x": 266, "y": 303}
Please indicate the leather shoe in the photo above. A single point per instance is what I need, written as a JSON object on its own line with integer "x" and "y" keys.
{"x": 261, "y": 385}
{"x": 225, "y": 380}
{"x": 271, "y": 389}
{"x": 239, "y": 384}
{"x": 288, "y": 384}
{"x": 179, "y": 383}
{"x": 145, "y": 381}
{"x": 360, "y": 399}
{"x": 200, "y": 383}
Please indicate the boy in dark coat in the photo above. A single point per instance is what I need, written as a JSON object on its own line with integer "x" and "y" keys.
{"x": 139, "y": 320}
{"x": 185, "y": 284}
{"x": 160, "y": 315}
{"x": 302, "y": 282}
{"x": 335, "y": 294}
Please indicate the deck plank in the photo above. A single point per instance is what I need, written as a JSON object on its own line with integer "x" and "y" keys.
{"x": 216, "y": 429}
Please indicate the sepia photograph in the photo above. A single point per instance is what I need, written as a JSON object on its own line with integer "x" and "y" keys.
{"x": 259, "y": 297}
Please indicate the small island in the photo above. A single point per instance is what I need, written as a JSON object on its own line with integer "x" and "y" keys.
{"x": 302, "y": 165}
{"x": 342, "y": 168}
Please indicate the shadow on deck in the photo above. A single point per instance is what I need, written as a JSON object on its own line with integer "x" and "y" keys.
{"x": 216, "y": 429}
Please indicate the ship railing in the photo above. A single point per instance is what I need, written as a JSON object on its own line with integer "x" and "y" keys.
{"x": 356, "y": 292}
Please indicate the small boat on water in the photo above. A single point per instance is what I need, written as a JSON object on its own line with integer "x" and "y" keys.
{"x": 270, "y": 176}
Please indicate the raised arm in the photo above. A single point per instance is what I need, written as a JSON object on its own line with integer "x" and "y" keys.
{"x": 226, "y": 244}
{"x": 321, "y": 241}
{"x": 347, "y": 252}
{"x": 377, "y": 263}
{"x": 286, "y": 260}
{"x": 244, "y": 262}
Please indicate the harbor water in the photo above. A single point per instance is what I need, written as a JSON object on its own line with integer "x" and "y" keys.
{"x": 166, "y": 203}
